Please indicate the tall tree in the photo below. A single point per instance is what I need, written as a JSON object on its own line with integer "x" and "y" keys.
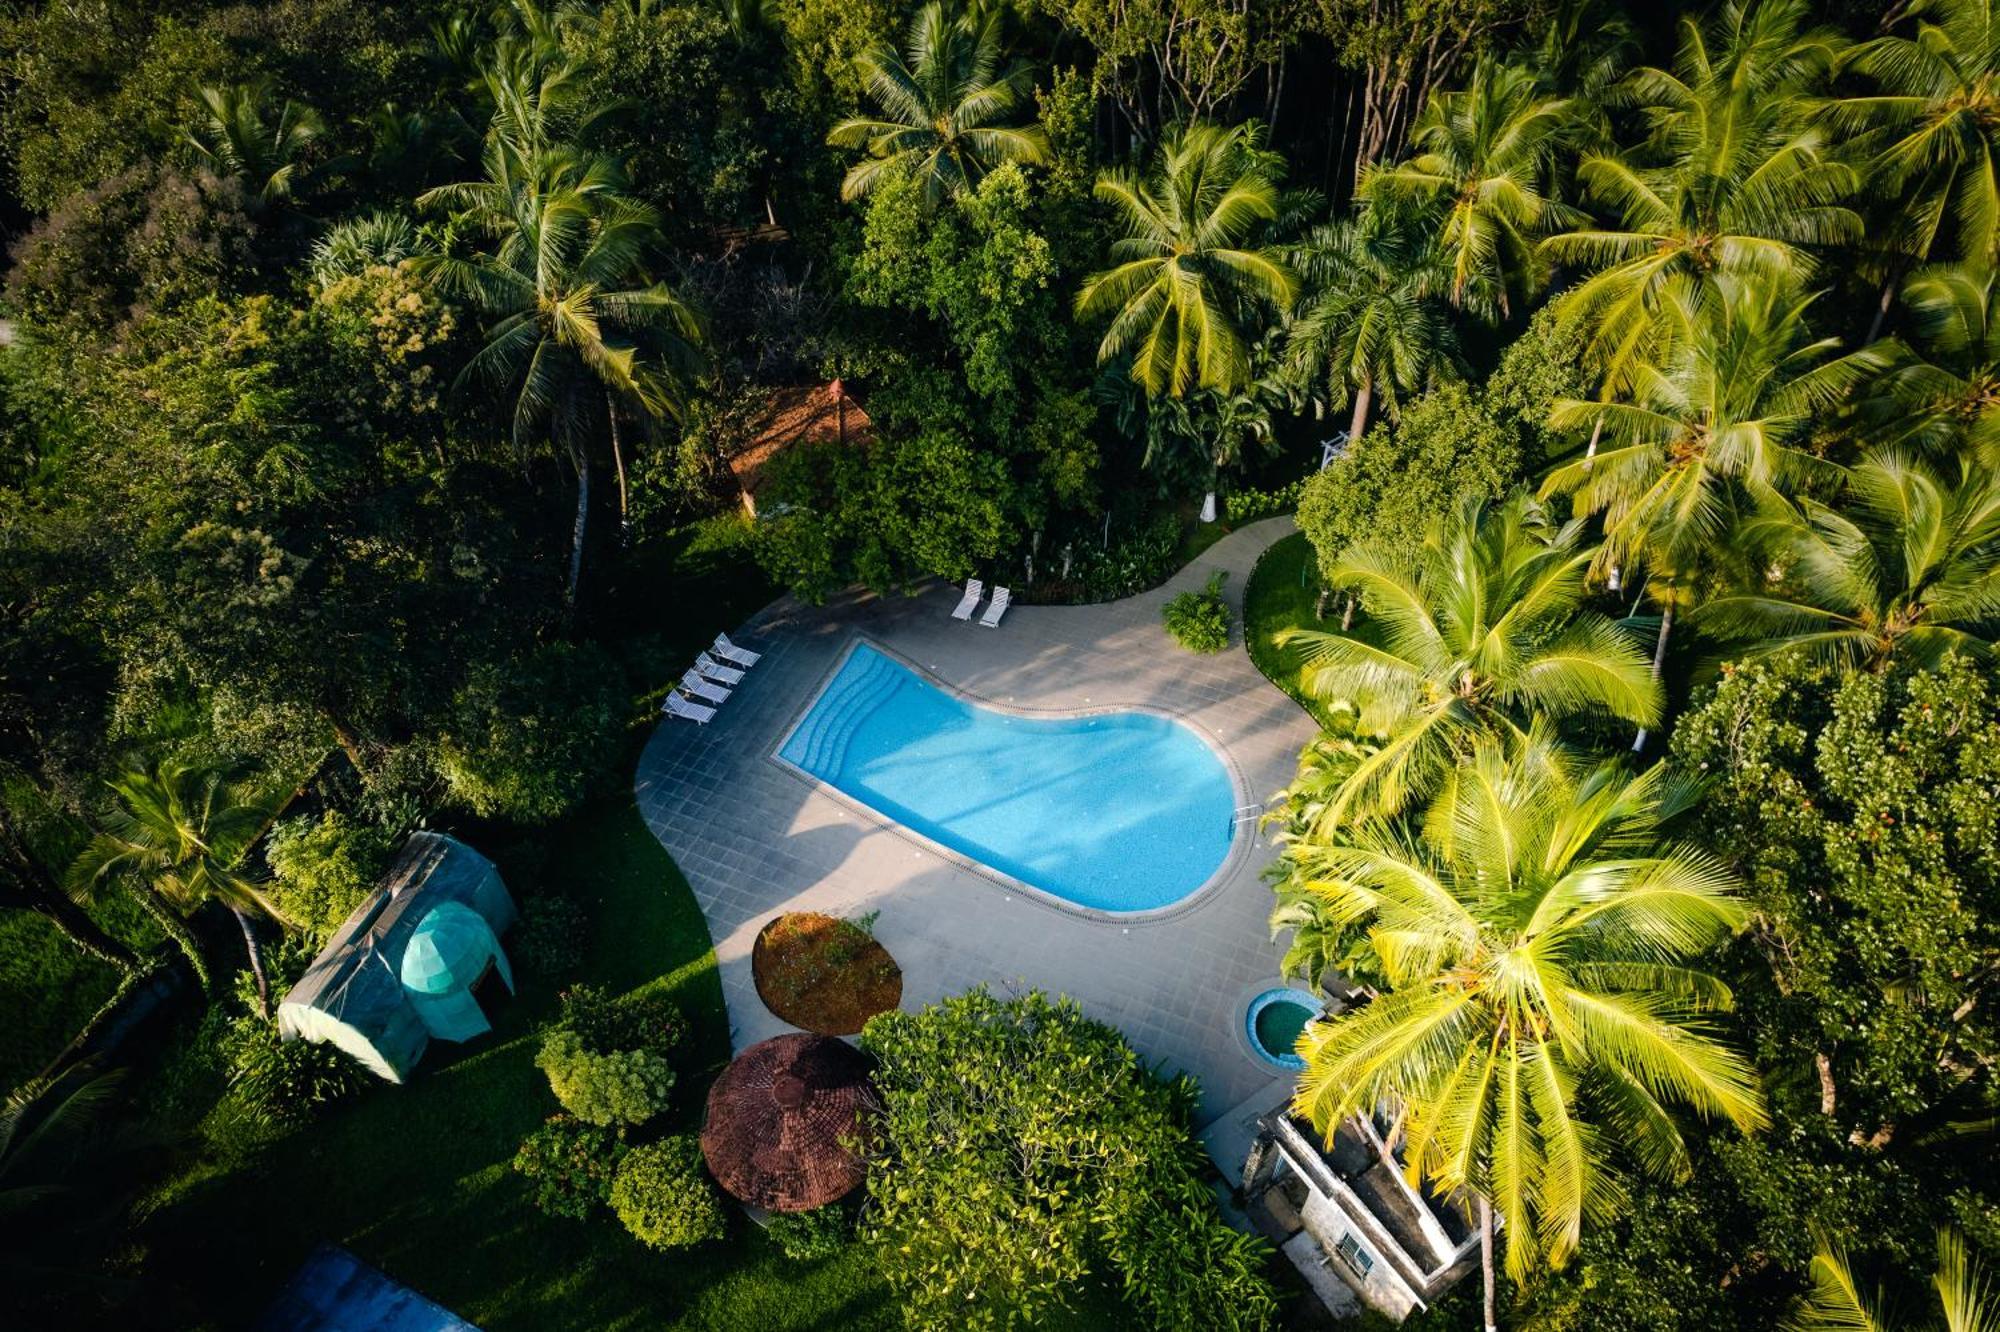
{"x": 1938, "y": 116}
{"x": 1909, "y": 563}
{"x": 1940, "y": 390}
{"x": 946, "y": 106}
{"x": 1369, "y": 326}
{"x": 175, "y": 837}
{"x": 577, "y": 327}
{"x": 1481, "y": 630}
{"x": 1543, "y": 1011}
{"x": 1736, "y": 177}
{"x": 1188, "y": 288}
{"x": 1724, "y": 412}
{"x": 1482, "y": 166}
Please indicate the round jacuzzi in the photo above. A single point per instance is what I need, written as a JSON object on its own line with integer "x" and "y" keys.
{"x": 1274, "y": 1020}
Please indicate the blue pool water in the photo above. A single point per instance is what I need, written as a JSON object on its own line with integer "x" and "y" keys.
{"x": 1123, "y": 811}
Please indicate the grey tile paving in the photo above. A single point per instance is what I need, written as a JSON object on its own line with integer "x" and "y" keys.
{"x": 755, "y": 838}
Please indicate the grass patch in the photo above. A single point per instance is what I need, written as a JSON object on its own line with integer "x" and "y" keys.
{"x": 1281, "y": 594}
{"x": 416, "y": 1179}
{"x": 49, "y": 989}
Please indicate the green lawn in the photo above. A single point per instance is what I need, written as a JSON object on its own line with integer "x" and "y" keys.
{"x": 416, "y": 1179}
{"x": 1281, "y": 595}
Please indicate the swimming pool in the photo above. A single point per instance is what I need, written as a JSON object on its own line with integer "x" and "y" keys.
{"x": 1118, "y": 811}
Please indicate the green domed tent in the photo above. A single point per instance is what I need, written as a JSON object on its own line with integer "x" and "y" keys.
{"x": 367, "y": 994}
{"x": 445, "y": 958}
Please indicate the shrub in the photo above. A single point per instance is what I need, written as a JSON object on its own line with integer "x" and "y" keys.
{"x": 531, "y": 736}
{"x": 1199, "y": 621}
{"x": 1247, "y": 506}
{"x": 662, "y": 1196}
{"x": 571, "y": 1165}
{"x": 325, "y": 868}
{"x": 646, "y": 1020}
{"x": 808, "y": 1237}
{"x": 619, "y": 1087}
{"x": 551, "y": 935}
{"x": 280, "y": 1083}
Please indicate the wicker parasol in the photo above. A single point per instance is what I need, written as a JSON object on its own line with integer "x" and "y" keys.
{"x": 777, "y": 1117}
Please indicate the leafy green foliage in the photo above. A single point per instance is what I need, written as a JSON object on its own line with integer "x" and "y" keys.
{"x": 1862, "y": 810}
{"x": 974, "y": 1227}
{"x": 809, "y": 1237}
{"x": 663, "y": 1196}
{"x": 642, "y": 1020}
{"x": 280, "y": 1083}
{"x": 618, "y": 1087}
{"x": 324, "y": 869}
{"x": 1199, "y": 621}
{"x": 570, "y": 1165}
{"x": 1388, "y": 488}
{"x": 530, "y": 736}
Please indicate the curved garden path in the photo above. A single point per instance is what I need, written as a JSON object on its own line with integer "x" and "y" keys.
{"x": 755, "y": 838}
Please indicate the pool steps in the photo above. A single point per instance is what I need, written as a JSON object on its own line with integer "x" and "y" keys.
{"x": 821, "y": 749}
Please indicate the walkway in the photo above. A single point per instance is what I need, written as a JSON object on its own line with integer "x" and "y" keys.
{"x": 756, "y": 839}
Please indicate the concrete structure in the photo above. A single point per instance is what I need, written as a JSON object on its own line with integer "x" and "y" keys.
{"x": 1344, "y": 1212}
{"x": 756, "y": 837}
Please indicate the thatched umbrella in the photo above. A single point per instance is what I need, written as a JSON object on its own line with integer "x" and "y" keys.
{"x": 777, "y": 1118}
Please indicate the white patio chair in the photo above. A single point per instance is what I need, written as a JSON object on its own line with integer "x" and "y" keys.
{"x": 702, "y": 689}
{"x": 974, "y": 590}
{"x": 997, "y": 608}
{"x": 727, "y": 651}
{"x": 715, "y": 670}
{"x": 676, "y": 706}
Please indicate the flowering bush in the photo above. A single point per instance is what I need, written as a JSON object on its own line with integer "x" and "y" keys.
{"x": 647, "y": 1020}
{"x": 571, "y": 1165}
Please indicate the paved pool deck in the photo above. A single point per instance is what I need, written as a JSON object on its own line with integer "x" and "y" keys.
{"x": 756, "y": 838}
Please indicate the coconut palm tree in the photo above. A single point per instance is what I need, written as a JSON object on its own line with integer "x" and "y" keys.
{"x": 1541, "y": 1012}
{"x": 1724, "y": 413}
{"x": 577, "y": 329}
{"x": 175, "y": 837}
{"x": 1908, "y": 564}
{"x": 1481, "y": 630}
{"x": 243, "y": 133}
{"x": 1938, "y": 121}
{"x": 1188, "y": 287}
{"x": 1940, "y": 392}
{"x": 1967, "y": 1302}
{"x": 946, "y": 108}
{"x": 1482, "y": 168}
{"x": 1370, "y": 326}
{"x": 1736, "y": 177}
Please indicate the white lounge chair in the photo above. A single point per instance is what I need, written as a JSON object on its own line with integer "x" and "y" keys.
{"x": 974, "y": 590}
{"x": 997, "y": 608}
{"x": 727, "y": 651}
{"x": 715, "y": 670}
{"x": 676, "y": 706}
{"x": 702, "y": 689}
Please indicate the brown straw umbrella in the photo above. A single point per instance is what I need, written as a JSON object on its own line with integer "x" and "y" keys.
{"x": 777, "y": 1120}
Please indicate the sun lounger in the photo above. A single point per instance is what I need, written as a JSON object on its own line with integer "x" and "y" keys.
{"x": 724, "y": 650}
{"x": 715, "y": 670}
{"x": 974, "y": 590}
{"x": 702, "y": 689}
{"x": 997, "y": 608}
{"x": 676, "y": 706}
